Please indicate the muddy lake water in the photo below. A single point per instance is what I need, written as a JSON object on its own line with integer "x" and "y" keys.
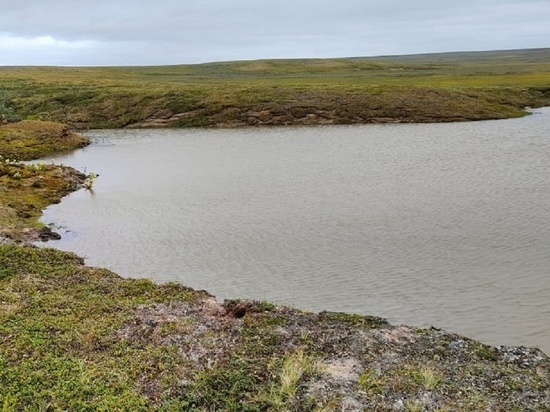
{"x": 422, "y": 224}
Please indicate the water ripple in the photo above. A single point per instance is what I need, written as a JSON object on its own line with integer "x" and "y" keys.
{"x": 443, "y": 224}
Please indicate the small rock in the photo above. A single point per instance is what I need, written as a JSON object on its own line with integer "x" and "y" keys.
{"x": 46, "y": 234}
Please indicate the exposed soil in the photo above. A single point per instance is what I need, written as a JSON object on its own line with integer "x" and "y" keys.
{"x": 328, "y": 108}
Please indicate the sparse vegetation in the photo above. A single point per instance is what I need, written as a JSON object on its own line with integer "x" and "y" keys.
{"x": 89, "y": 182}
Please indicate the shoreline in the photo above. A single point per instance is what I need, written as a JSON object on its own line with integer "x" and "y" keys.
{"x": 265, "y": 118}
{"x": 482, "y": 324}
{"x": 130, "y": 344}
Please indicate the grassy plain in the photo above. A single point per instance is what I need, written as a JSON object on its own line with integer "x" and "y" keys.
{"x": 422, "y": 88}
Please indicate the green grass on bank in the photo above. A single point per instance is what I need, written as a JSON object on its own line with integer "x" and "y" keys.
{"x": 58, "y": 344}
{"x": 30, "y": 139}
{"x": 440, "y": 87}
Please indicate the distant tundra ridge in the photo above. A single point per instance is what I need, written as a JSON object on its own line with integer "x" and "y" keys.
{"x": 440, "y": 87}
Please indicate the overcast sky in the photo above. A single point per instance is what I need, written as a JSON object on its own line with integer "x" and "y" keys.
{"x": 155, "y": 32}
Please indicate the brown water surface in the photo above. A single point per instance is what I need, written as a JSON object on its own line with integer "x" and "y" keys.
{"x": 434, "y": 224}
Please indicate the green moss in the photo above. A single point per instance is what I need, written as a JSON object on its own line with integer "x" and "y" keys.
{"x": 352, "y": 319}
{"x": 58, "y": 322}
{"x": 22, "y": 199}
{"x": 15, "y": 260}
{"x": 485, "y": 352}
{"x": 31, "y": 139}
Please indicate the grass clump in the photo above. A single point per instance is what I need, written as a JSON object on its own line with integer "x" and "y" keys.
{"x": 90, "y": 180}
{"x": 427, "y": 378}
{"x": 289, "y": 373}
{"x": 370, "y": 382}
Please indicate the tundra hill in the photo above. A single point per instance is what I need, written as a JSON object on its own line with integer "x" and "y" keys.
{"x": 424, "y": 88}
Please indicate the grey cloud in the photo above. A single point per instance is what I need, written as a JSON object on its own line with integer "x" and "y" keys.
{"x": 170, "y": 31}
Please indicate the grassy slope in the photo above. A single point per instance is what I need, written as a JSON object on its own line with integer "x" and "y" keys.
{"x": 444, "y": 87}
